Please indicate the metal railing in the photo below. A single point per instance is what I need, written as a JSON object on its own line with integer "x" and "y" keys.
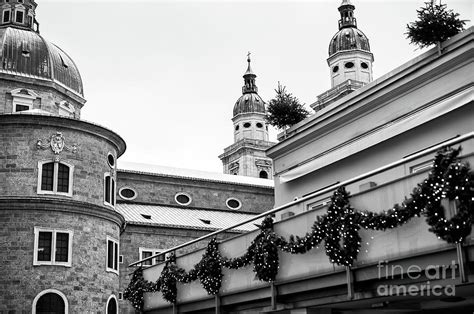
{"x": 406, "y": 159}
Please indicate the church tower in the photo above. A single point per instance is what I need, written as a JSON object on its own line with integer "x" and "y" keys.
{"x": 246, "y": 157}
{"x": 350, "y": 59}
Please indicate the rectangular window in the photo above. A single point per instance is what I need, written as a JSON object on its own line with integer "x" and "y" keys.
{"x": 47, "y": 177}
{"x": 112, "y": 255}
{"x": 55, "y": 178}
{"x": 45, "y": 243}
{"x": 63, "y": 178}
{"x": 19, "y": 17}
{"x": 6, "y": 16}
{"x": 109, "y": 190}
{"x": 422, "y": 166}
{"x": 145, "y": 252}
{"x": 19, "y": 108}
{"x": 52, "y": 247}
{"x": 62, "y": 246}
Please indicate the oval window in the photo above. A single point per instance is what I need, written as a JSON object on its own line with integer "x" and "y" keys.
{"x": 183, "y": 199}
{"x": 259, "y": 125}
{"x": 111, "y": 160}
{"x": 247, "y": 125}
{"x": 364, "y": 65}
{"x": 349, "y": 65}
{"x": 335, "y": 69}
{"x": 233, "y": 203}
{"x": 236, "y": 127}
{"x": 127, "y": 193}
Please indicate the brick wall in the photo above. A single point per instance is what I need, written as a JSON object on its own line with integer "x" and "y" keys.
{"x": 204, "y": 194}
{"x": 19, "y": 156}
{"x": 86, "y": 283}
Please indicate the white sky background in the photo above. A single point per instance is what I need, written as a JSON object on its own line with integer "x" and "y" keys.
{"x": 165, "y": 74}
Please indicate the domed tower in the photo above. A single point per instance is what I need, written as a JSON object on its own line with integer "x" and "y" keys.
{"x": 60, "y": 234}
{"x": 350, "y": 59}
{"x": 246, "y": 156}
{"x": 349, "y": 51}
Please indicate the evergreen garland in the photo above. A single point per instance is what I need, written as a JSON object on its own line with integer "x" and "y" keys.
{"x": 453, "y": 180}
{"x": 266, "y": 261}
{"x": 209, "y": 269}
{"x": 342, "y": 226}
{"x": 449, "y": 179}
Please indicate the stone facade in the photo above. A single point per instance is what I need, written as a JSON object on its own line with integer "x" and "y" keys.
{"x": 86, "y": 283}
{"x": 160, "y": 189}
{"x": 19, "y": 136}
{"x": 50, "y": 95}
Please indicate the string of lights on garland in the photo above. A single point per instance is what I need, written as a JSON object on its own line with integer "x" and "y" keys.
{"x": 449, "y": 179}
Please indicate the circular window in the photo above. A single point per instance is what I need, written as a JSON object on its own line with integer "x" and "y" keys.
{"x": 247, "y": 125}
{"x": 236, "y": 127}
{"x": 233, "y": 203}
{"x": 259, "y": 125}
{"x": 127, "y": 193}
{"x": 335, "y": 69}
{"x": 111, "y": 160}
{"x": 364, "y": 65}
{"x": 349, "y": 65}
{"x": 182, "y": 198}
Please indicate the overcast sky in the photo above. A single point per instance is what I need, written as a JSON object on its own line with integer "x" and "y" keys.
{"x": 165, "y": 74}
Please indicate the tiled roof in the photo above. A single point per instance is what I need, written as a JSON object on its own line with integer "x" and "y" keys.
{"x": 192, "y": 174}
{"x": 176, "y": 217}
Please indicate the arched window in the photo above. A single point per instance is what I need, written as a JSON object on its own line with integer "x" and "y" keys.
{"x": 109, "y": 189}
{"x": 263, "y": 174}
{"x": 112, "y": 307}
{"x": 50, "y": 301}
{"x": 55, "y": 178}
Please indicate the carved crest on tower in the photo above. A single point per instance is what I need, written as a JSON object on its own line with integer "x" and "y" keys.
{"x": 57, "y": 143}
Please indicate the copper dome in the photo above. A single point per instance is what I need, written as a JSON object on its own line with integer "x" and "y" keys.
{"x": 349, "y": 38}
{"x": 24, "y": 53}
{"x": 249, "y": 103}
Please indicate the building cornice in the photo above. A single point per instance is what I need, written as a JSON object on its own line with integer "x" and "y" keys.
{"x": 24, "y": 118}
{"x": 45, "y": 83}
{"x": 60, "y": 205}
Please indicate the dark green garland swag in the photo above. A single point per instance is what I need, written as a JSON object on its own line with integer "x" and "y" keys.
{"x": 449, "y": 179}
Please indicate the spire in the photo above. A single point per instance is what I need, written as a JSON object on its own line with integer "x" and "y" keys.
{"x": 249, "y": 79}
{"x": 347, "y": 15}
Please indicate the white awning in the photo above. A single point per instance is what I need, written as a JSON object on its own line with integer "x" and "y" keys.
{"x": 388, "y": 131}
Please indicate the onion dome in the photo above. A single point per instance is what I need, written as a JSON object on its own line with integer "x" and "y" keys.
{"x": 250, "y": 101}
{"x": 349, "y": 37}
{"x": 25, "y": 53}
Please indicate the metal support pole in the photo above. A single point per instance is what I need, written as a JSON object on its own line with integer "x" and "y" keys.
{"x": 175, "y": 308}
{"x": 274, "y": 294}
{"x": 461, "y": 261}
{"x": 460, "y": 255}
{"x": 350, "y": 283}
{"x": 217, "y": 299}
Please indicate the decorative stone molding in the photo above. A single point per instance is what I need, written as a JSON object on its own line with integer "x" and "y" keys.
{"x": 263, "y": 163}
{"x": 57, "y": 144}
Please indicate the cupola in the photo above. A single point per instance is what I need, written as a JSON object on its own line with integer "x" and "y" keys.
{"x": 249, "y": 110}
{"x": 349, "y": 50}
{"x": 26, "y": 55}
